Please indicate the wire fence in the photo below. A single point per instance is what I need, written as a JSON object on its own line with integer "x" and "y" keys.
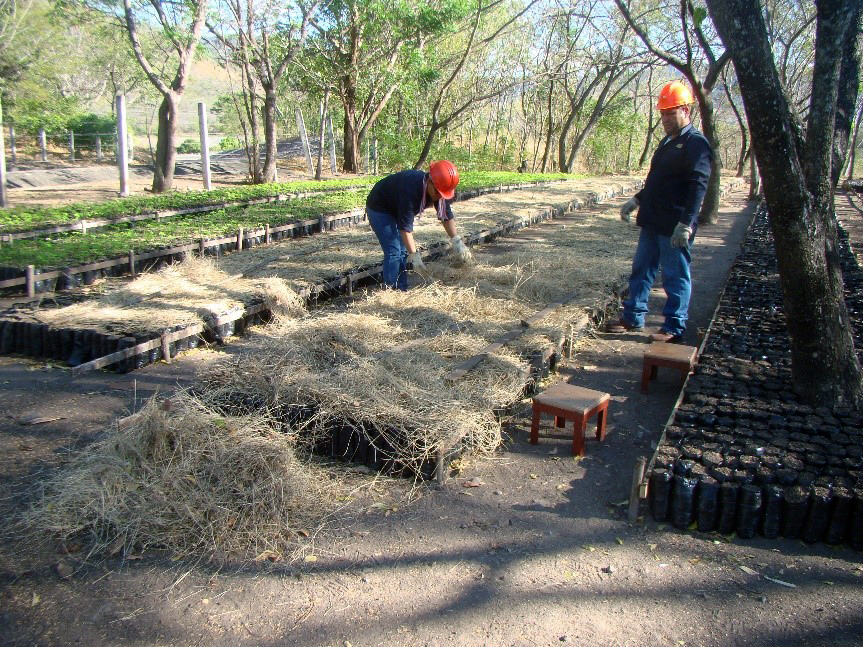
{"x": 56, "y": 146}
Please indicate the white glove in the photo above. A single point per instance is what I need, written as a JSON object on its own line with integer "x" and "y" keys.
{"x": 416, "y": 261}
{"x": 680, "y": 237}
{"x": 628, "y": 207}
{"x": 460, "y": 249}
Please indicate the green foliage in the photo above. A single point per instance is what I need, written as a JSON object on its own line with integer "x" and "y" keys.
{"x": 230, "y": 143}
{"x": 189, "y": 146}
{"x": 90, "y": 125}
{"x": 607, "y": 146}
{"x": 76, "y": 248}
{"x": 31, "y": 112}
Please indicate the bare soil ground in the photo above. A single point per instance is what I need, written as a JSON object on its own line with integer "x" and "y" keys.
{"x": 538, "y": 553}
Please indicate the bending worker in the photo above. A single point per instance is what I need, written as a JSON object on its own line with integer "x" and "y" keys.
{"x": 391, "y": 207}
{"x": 668, "y": 207}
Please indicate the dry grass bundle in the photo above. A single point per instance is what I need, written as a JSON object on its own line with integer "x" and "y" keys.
{"x": 182, "y": 293}
{"x": 187, "y": 479}
{"x": 376, "y": 376}
{"x": 281, "y": 300}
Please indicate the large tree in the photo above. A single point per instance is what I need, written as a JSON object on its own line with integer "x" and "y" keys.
{"x": 364, "y": 48}
{"x": 180, "y": 26}
{"x": 701, "y": 67}
{"x": 452, "y": 100}
{"x": 263, "y": 37}
{"x": 796, "y": 172}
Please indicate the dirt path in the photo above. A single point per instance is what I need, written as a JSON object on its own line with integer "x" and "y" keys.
{"x": 538, "y": 554}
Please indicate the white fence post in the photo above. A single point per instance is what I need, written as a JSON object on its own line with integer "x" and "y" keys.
{"x": 2, "y": 163}
{"x": 122, "y": 153}
{"x": 43, "y": 145}
{"x": 98, "y": 146}
{"x": 71, "y": 146}
{"x": 205, "y": 144}
{"x": 301, "y": 126}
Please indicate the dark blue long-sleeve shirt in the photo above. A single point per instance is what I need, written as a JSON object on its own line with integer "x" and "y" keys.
{"x": 400, "y": 195}
{"x": 676, "y": 183}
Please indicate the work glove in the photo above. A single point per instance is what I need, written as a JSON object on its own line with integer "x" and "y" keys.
{"x": 680, "y": 237}
{"x": 416, "y": 261}
{"x": 461, "y": 250}
{"x": 628, "y": 207}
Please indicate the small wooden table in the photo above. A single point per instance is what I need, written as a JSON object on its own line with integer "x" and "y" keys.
{"x": 569, "y": 402}
{"x": 676, "y": 356}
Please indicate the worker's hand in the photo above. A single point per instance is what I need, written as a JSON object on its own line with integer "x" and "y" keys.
{"x": 416, "y": 261}
{"x": 628, "y": 207}
{"x": 461, "y": 250}
{"x": 680, "y": 237}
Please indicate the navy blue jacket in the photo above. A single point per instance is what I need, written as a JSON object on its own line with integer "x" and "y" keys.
{"x": 400, "y": 195}
{"x": 676, "y": 183}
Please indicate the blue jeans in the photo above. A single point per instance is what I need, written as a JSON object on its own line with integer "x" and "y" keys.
{"x": 395, "y": 270}
{"x": 654, "y": 251}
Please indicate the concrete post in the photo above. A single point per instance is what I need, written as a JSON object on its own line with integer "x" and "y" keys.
{"x": 205, "y": 144}
{"x": 122, "y": 138}
{"x": 301, "y": 126}
{"x": 43, "y": 145}
{"x": 98, "y": 146}
{"x": 320, "y": 161}
{"x": 71, "y": 146}
{"x": 2, "y": 164}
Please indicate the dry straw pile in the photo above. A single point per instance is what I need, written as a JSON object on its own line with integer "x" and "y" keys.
{"x": 188, "y": 480}
{"x": 220, "y": 470}
{"x": 189, "y": 292}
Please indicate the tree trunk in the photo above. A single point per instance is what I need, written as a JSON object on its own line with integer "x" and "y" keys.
{"x": 825, "y": 369}
{"x": 852, "y": 155}
{"x": 166, "y": 143}
{"x": 710, "y": 206}
{"x": 549, "y": 132}
{"x": 351, "y": 142}
{"x": 269, "y": 172}
{"x": 846, "y": 102}
{"x": 651, "y": 128}
{"x": 754, "y": 179}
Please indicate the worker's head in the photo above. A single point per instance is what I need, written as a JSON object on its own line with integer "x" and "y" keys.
{"x": 444, "y": 178}
{"x": 675, "y": 103}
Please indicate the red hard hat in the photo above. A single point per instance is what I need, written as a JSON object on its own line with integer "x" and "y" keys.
{"x": 444, "y": 176}
{"x": 673, "y": 95}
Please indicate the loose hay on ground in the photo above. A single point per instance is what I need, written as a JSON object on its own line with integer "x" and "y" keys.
{"x": 188, "y": 480}
{"x": 339, "y": 366}
{"x": 189, "y": 292}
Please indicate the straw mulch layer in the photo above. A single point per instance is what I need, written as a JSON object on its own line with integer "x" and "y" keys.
{"x": 179, "y": 476}
{"x": 366, "y": 382}
{"x": 188, "y": 292}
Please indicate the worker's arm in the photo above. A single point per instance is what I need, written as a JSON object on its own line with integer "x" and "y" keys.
{"x": 408, "y": 241}
{"x": 458, "y": 246}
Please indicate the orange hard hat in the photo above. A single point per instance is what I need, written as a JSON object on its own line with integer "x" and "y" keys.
{"x": 674, "y": 94}
{"x": 444, "y": 176}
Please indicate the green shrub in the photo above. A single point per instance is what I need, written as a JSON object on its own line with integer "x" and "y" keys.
{"x": 189, "y": 146}
{"x": 230, "y": 143}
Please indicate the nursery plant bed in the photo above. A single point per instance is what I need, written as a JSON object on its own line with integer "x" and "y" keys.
{"x": 742, "y": 455}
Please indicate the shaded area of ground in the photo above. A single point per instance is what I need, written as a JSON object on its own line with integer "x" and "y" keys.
{"x": 538, "y": 554}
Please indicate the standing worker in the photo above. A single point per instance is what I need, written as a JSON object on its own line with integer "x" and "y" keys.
{"x": 668, "y": 206}
{"x": 391, "y": 207}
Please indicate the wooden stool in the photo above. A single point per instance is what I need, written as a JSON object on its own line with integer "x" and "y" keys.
{"x": 683, "y": 358}
{"x": 568, "y": 402}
